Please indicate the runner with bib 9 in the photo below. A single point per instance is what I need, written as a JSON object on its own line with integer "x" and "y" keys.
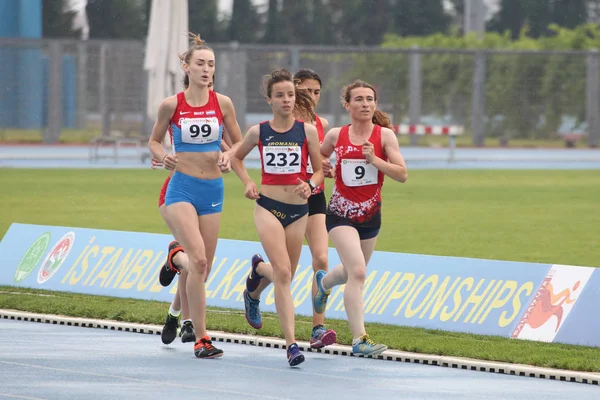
{"x": 366, "y": 151}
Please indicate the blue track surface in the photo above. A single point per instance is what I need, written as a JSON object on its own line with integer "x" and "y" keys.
{"x": 41, "y": 361}
{"x": 37, "y": 156}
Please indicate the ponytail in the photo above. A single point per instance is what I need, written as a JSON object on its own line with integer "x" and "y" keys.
{"x": 382, "y": 119}
{"x": 305, "y": 104}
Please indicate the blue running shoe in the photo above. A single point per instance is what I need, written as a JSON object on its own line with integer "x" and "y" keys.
{"x": 366, "y": 347}
{"x": 253, "y": 315}
{"x": 322, "y": 337}
{"x": 254, "y": 278}
{"x": 294, "y": 356}
{"x": 320, "y": 299}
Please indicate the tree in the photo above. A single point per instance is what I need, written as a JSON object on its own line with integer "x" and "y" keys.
{"x": 244, "y": 25}
{"x": 322, "y": 24}
{"x": 296, "y": 19}
{"x": 299, "y": 22}
{"x": 117, "y": 19}
{"x": 273, "y": 23}
{"x": 458, "y": 14}
{"x": 204, "y": 19}
{"x": 418, "y": 18}
{"x": 570, "y": 13}
{"x": 510, "y": 17}
{"x": 537, "y": 15}
{"x": 56, "y": 22}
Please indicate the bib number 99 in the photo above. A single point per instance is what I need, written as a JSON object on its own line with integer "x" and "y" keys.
{"x": 196, "y": 130}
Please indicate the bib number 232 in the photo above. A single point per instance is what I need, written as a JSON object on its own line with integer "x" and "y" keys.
{"x": 358, "y": 173}
{"x": 200, "y": 130}
{"x": 282, "y": 159}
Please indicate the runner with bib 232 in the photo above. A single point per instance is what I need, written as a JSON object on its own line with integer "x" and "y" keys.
{"x": 281, "y": 213}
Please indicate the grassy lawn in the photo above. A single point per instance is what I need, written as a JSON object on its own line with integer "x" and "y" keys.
{"x": 532, "y": 216}
{"x": 85, "y": 135}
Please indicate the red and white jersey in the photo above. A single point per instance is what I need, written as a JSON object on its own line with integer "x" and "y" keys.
{"x": 197, "y": 129}
{"x": 357, "y": 190}
{"x": 309, "y": 170}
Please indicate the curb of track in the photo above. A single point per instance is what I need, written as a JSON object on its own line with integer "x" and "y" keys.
{"x": 338, "y": 350}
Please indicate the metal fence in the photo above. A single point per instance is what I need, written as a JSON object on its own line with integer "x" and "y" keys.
{"x": 60, "y": 87}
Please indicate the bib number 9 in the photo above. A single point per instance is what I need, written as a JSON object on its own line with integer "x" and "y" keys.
{"x": 358, "y": 173}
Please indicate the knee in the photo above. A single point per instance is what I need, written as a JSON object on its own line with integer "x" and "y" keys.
{"x": 283, "y": 274}
{"x": 358, "y": 273}
{"x": 319, "y": 262}
{"x": 198, "y": 263}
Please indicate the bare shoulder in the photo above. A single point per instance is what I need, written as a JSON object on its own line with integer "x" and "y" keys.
{"x": 332, "y": 135}
{"x": 254, "y": 131}
{"x": 388, "y": 135}
{"x": 224, "y": 101}
{"x": 310, "y": 128}
{"x": 168, "y": 106}
{"x": 333, "y": 131}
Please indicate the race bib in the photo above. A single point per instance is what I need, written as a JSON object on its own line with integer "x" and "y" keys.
{"x": 282, "y": 160}
{"x": 309, "y": 169}
{"x": 358, "y": 173}
{"x": 200, "y": 130}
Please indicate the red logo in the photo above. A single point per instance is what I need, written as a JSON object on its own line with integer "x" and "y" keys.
{"x": 57, "y": 256}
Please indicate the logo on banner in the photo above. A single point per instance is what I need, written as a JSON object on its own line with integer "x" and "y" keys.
{"x": 552, "y": 303}
{"x": 56, "y": 257}
{"x": 32, "y": 257}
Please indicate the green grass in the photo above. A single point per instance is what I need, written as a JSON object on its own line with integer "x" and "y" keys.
{"x": 35, "y": 135}
{"x": 533, "y": 216}
{"x": 74, "y": 136}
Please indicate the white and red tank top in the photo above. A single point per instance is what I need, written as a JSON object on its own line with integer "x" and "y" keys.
{"x": 357, "y": 189}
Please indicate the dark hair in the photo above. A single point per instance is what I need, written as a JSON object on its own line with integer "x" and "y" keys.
{"x": 379, "y": 117}
{"x": 197, "y": 44}
{"x": 305, "y": 74}
{"x": 304, "y": 104}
